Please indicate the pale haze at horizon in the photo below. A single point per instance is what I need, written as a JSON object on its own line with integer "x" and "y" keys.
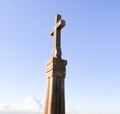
{"x": 90, "y": 42}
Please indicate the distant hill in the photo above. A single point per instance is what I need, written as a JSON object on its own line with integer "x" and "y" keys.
{"x": 29, "y": 105}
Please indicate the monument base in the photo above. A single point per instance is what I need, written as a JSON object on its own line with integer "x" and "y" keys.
{"x": 55, "y": 98}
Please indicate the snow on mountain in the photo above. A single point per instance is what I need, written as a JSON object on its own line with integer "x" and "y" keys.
{"x": 27, "y": 104}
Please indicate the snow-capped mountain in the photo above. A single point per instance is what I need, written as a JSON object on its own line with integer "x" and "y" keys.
{"x": 31, "y": 104}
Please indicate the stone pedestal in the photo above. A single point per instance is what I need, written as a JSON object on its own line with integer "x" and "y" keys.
{"x": 55, "y": 96}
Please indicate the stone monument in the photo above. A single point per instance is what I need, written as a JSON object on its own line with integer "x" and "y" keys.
{"x": 55, "y": 72}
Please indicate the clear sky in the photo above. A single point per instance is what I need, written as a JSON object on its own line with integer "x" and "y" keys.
{"x": 90, "y": 43}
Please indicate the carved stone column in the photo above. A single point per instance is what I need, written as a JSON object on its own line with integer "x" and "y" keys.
{"x": 55, "y": 96}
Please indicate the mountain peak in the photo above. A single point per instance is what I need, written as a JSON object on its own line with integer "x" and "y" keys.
{"x": 28, "y": 104}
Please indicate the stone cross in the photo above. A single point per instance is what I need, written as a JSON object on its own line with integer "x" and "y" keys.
{"x": 56, "y": 73}
{"x": 56, "y": 33}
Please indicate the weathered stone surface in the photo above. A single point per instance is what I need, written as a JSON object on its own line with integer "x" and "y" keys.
{"x": 56, "y": 33}
{"x": 55, "y": 73}
{"x": 56, "y": 67}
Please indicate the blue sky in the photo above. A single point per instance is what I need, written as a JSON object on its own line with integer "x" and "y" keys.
{"x": 90, "y": 43}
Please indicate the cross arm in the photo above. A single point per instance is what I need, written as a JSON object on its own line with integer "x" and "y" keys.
{"x": 59, "y": 25}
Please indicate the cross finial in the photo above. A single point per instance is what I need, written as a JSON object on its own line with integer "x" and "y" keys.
{"x": 56, "y": 33}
